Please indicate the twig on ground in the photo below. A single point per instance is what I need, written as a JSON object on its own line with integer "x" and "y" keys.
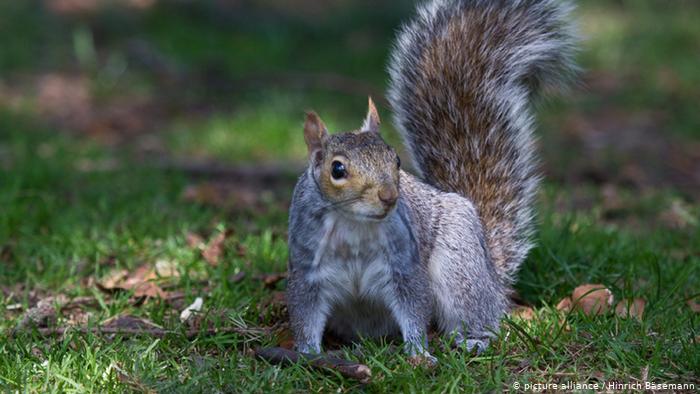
{"x": 347, "y": 368}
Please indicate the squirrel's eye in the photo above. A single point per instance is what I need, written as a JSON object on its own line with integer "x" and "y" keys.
{"x": 398, "y": 161}
{"x": 338, "y": 170}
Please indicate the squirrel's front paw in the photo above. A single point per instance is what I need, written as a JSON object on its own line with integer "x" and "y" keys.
{"x": 471, "y": 344}
{"x": 477, "y": 345}
{"x": 424, "y": 359}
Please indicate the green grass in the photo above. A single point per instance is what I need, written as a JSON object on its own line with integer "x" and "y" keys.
{"x": 73, "y": 208}
{"x": 63, "y": 225}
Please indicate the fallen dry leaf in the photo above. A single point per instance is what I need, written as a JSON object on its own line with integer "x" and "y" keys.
{"x": 592, "y": 299}
{"x": 191, "y": 310}
{"x": 140, "y": 281}
{"x": 113, "y": 279}
{"x": 631, "y": 308}
{"x": 214, "y": 249}
{"x": 565, "y": 304}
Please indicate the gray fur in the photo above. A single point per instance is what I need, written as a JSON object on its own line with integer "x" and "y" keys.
{"x": 390, "y": 277}
{"x": 439, "y": 255}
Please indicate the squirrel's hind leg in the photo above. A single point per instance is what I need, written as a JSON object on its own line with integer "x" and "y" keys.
{"x": 470, "y": 300}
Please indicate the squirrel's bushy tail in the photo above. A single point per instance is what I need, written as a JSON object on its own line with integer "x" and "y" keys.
{"x": 463, "y": 75}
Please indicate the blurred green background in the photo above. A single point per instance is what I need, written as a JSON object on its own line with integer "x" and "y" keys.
{"x": 229, "y": 80}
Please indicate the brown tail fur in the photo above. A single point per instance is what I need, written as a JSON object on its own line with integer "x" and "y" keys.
{"x": 463, "y": 76}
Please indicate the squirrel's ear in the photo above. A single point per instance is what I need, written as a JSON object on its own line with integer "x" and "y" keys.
{"x": 371, "y": 123}
{"x": 314, "y": 132}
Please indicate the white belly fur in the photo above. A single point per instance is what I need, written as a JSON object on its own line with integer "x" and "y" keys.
{"x": 354, "y": 275}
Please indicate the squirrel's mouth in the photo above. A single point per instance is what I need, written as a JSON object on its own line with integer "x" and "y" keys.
{"x": 372, "y": 217}
{"x": 368, "y": 212}
{"x": 378, "y": 217}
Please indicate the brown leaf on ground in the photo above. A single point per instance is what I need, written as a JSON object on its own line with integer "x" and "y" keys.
{"x": 215, "y": 248}
{"x": 523, "y": 313}
{"x": 140, "y": 281}
{"x": 592, "y": 299}
{"x": 694, "y": 304}
{"x": 564, "y": 305}
{"x": 113, "y": 279}
{"x": 631, "y": 308}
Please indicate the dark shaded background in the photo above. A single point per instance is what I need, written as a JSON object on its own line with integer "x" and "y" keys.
{"x": 228, "y": 80}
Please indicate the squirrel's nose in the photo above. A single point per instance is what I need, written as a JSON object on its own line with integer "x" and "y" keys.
{"x": 388, "y": 195}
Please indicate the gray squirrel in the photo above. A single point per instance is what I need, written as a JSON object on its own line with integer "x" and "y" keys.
{"x": 375, "y": 251}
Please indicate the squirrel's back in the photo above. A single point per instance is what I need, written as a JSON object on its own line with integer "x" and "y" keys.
{"x": 463, "y": 75}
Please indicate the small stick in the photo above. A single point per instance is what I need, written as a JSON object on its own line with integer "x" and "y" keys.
{"x": 347, "y": 368}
